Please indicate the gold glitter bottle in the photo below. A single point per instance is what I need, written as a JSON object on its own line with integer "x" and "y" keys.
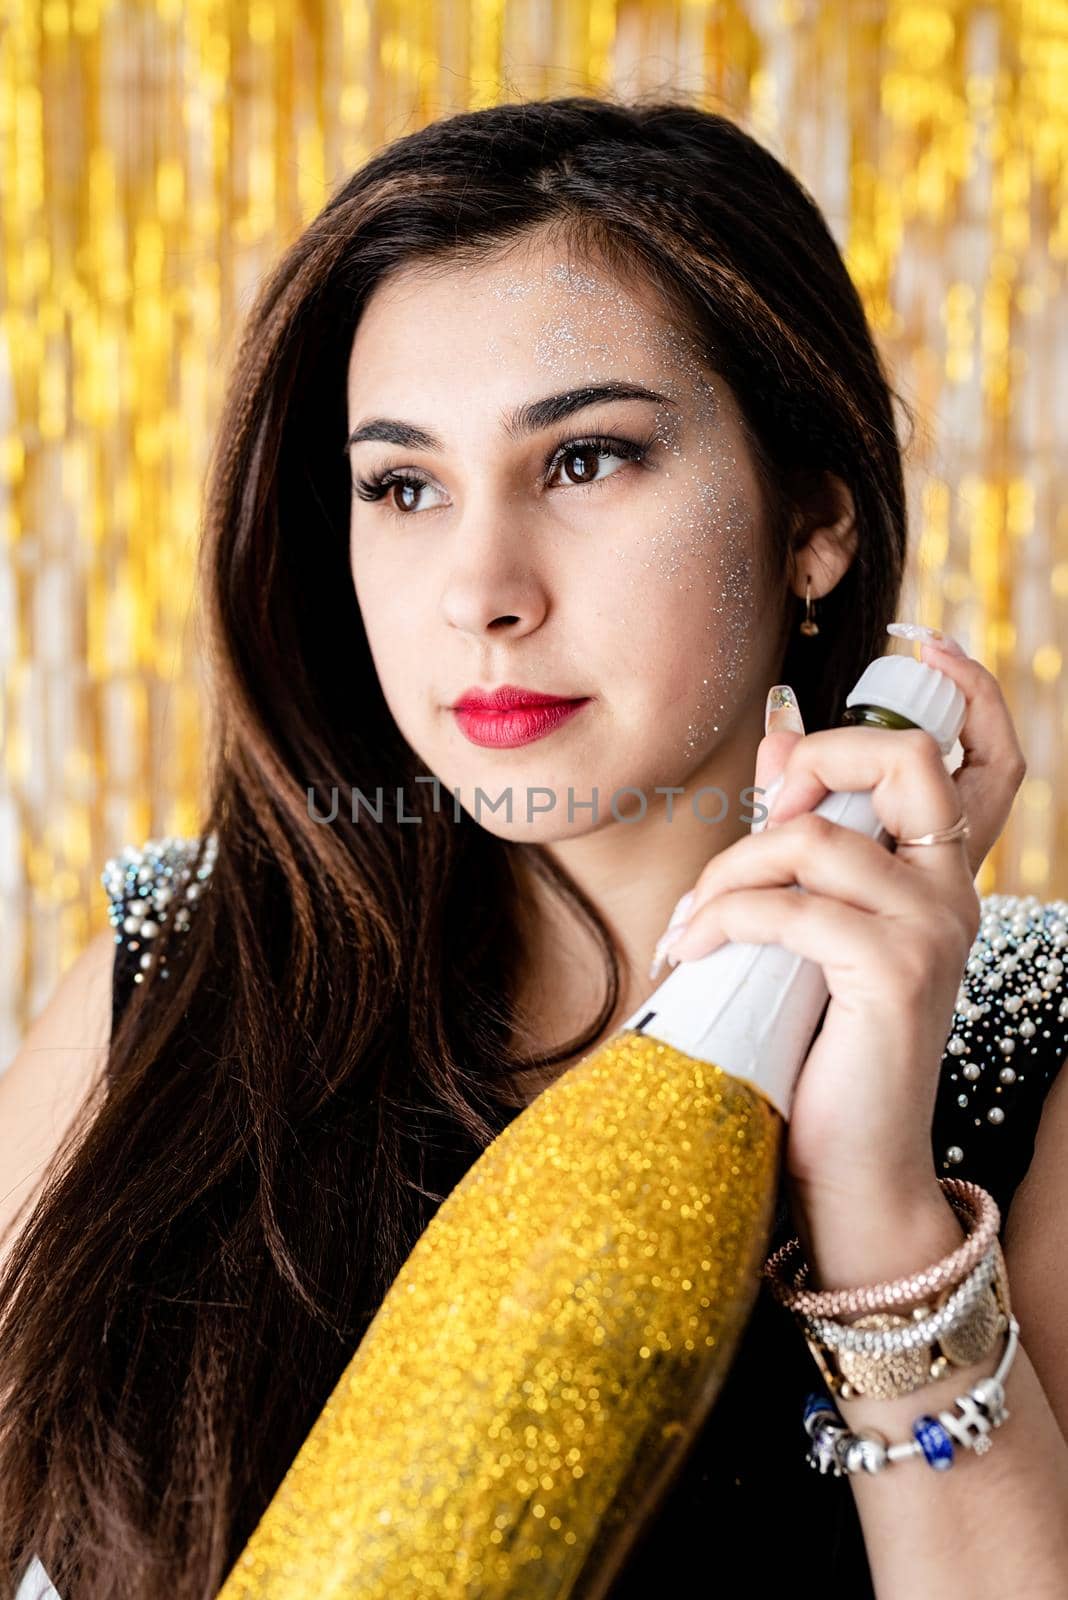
{"x": 545, "y": 1357}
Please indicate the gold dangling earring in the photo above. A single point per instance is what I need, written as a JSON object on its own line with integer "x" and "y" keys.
{"x": 808, "y": 626}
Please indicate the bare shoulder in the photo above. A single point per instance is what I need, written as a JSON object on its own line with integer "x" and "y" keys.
{"x": 44, "y": 1085}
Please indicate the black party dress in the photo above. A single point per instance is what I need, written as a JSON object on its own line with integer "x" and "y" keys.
{"x": 746, "y": 1478}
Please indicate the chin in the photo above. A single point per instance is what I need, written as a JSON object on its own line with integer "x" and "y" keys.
{"x": 552, "y": 824}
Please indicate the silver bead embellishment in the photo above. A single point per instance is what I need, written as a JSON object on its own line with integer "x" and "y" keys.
{"x": 866, "y": 1452}
{"x": 1015, "y": 970}
{"x": 144, "y": 883}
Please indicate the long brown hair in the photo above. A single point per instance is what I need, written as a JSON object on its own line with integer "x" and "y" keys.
{"x": 280, "y": 1119}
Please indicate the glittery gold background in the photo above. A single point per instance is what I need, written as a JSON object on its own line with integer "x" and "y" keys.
{"x": 155, "y": 158}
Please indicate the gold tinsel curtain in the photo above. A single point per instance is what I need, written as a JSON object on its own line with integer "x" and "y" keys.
{"x": 154, "y": 159}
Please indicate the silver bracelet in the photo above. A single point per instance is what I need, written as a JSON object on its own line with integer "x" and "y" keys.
{"x": 836, "y": 1449}
{"x": 884, "y": 1341}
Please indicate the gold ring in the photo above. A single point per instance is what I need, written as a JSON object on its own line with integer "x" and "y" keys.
{"x": 958, "y": 830}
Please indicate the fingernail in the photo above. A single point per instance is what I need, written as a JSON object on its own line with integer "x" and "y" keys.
{"x": 665, "y": 944}
{"x": 682, "y": 906}
{"x": 767, "y": 800}
{"x": 781, "y": 710}
{"x": 925, "y": 635}
{"x": 675, "y": 924}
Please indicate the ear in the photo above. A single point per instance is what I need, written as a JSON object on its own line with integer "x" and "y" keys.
{"x": 824, "y": 536}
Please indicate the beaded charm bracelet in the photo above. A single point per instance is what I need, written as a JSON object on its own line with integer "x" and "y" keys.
{"x": 836, "y": 1449}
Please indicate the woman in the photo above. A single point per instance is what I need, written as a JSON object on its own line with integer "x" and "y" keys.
{"x": 576, "y": 397}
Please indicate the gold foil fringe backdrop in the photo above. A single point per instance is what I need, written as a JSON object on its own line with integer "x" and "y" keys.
{"x": 154, "y": 159}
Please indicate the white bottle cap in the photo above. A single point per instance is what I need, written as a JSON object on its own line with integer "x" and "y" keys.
{"x": 921, "y": 693}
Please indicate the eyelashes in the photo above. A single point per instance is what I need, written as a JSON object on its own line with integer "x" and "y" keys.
{"x": 379, "y": 484}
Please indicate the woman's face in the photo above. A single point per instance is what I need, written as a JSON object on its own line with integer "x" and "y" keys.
{"x": 546, "y": 535}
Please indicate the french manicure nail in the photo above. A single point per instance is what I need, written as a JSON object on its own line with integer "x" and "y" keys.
{"x": 682, "y": 905}
{"x": 670, "y": 940}
{"x": 925, "y": 635}
{"x": 673, "y": 932}
{"x": 781, "y": 710}
{"x": 767, "y": 799}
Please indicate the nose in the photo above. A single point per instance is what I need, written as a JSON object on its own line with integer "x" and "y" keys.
{"x": 492, "y": 584}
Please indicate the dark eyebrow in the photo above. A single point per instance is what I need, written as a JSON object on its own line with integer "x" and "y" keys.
{"x": 528, "y": 418}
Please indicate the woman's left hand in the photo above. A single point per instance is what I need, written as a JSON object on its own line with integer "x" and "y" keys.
{"x": 891, "y": 929}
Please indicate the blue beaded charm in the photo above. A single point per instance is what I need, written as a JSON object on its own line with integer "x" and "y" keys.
{"x": 818, "y": 1405}
{"x": 935, "y": 1442}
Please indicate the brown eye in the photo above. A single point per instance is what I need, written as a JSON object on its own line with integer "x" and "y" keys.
{"x": 587, "y": 459}
{"x": 388, "y": 487}
{"x": 405, "y": 487}
{"x": 580, "y": 459}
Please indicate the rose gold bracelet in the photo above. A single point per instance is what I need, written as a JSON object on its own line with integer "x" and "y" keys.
{"x": 972, "y": 1203}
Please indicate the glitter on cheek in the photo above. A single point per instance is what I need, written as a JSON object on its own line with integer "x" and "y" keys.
{"x": 730, "y": 620}
{"x": 705, "y": 541}
{"x": 700, "y": 533}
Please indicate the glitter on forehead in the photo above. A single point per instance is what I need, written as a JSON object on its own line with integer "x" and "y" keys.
{"x": 599, "y": 315}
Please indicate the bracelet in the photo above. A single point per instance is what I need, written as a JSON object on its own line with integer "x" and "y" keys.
{"x": 836, "y": 1449}
{"x": 978, "y": 1207}
{"x": 882, "y": 1354}
{"x": 897, "y": 1362}
{"x": 839, "y": 1336}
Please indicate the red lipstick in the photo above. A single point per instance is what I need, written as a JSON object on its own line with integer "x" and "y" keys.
{"x": 509, "y": 716}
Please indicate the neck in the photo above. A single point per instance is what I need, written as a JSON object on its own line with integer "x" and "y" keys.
{"x": 634, "y": 872}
